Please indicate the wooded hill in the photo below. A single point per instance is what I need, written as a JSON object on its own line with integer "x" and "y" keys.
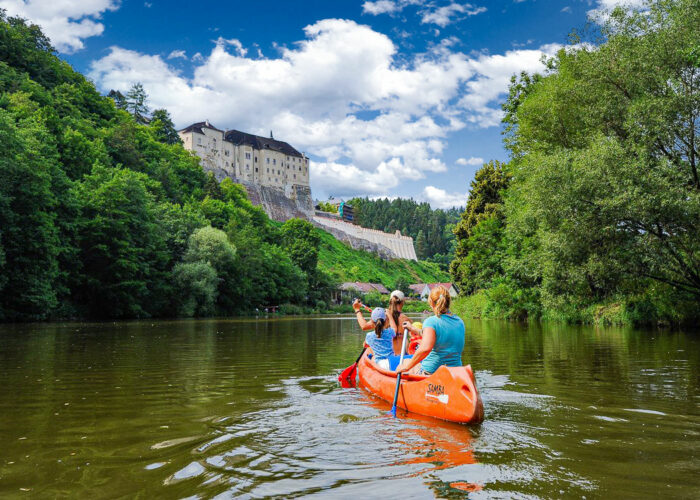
{"x": 431, "y": 230}
{"x": 105, "y": 216}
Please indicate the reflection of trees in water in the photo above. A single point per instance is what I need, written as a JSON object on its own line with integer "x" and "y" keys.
{"x": 556, "y": 357}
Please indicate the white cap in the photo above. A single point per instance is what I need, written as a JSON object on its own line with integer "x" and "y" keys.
{"x": 399, "y": 295}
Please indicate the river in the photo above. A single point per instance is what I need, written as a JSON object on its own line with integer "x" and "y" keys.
{"x": 252, "y": 408}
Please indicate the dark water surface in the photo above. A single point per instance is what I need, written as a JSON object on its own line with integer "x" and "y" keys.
{"x": 245, "y": 408}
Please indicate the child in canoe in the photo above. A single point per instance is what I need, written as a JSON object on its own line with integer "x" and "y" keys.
{"x": 381, "y": 338}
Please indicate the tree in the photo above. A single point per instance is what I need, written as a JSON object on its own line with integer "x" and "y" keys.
{"x": 136, "y": 103}
{"x": 484, "y": 196}
{"x": 28, "y": 231}
{"x": 421, "y": 245}
{"x": 212, "y": 187}
{"x": 122, "y": 247}
{"x": 118, "y": 98}
{"x": 608, "y": 156}
{"x": 301, "y": 241}
{"x": 163, "y": 127}
{"x": 212, "y": 246}
{"x": 197, "y": 286}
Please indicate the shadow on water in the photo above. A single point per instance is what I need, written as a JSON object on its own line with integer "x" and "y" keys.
{"x": 252, "y": 408}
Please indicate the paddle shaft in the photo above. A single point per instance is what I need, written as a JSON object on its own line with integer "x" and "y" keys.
{"x": 360, "y": 356}
{"x": 398, "y": 376}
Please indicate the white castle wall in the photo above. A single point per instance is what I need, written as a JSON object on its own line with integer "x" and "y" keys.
{"x": 401, "y": 246}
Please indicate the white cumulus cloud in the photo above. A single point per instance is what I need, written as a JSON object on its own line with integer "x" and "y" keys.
{"x": 442, "y": 16}
{"x": 470, "y": 161}
{"x": 368, "y": 117}
{"x": 66, "y": 22}
{"x": 177, "y": 54}
{"x": 439, "y": 198}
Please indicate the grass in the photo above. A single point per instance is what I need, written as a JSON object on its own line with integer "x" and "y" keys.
{"x": 347, "y": 264}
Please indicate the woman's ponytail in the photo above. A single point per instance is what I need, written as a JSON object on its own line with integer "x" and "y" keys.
{"x": 440, "y": 299}
{"x": 378, "y": 327}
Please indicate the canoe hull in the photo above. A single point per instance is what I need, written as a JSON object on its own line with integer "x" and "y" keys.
{"x": 448, "y": 394}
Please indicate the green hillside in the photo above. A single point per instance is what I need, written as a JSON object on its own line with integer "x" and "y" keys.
{"x": 347, "y": 264}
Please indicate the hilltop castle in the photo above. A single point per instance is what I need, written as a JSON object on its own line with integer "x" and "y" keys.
{"x": 276, "y": 177}
{"x": 247, "y": 157}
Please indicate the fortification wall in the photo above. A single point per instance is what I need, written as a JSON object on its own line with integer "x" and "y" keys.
{"x": 394, "y": 245}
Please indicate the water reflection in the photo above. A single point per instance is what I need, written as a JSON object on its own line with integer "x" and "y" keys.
{"x": 252, "y": 408}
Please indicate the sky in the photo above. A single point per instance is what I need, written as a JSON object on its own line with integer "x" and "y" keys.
{"x": 389, "y": 98}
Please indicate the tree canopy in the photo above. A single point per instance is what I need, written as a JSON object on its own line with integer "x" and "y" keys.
{"x": 604, "y": 202}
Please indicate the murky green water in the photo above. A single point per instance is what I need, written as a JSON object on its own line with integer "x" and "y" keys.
{"x": 236, "y": 408}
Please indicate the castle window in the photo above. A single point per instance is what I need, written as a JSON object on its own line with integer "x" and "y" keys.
{"x": 295, "y": 176}
{"x": 256, "y": 169}
{"x": 279, "y": 173}
{"x": 199, "y": 140}
{"x": 256, "y": 159}
{"x": 274, "y": 162}
{"x": 227, "y": 164}
{"x": 247, "y": 156}
{"x": 268, "y": 170}
{"x": 247, "y": 167}
{"x": 268, "y": 161}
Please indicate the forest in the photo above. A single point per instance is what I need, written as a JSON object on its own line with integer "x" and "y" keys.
{"x": 103, "y": 214}
{"x": 431, "y": 230}
{"x": 596, "y": 216}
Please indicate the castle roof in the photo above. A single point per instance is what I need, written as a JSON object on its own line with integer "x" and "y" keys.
{"x": 258, "y": 142}
{"x": 197, "y": 127}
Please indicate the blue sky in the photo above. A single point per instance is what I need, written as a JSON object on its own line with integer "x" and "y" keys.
{"x": 388, "y": 97}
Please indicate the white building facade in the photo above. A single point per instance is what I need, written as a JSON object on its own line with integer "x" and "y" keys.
{"x": 246, "y": 157}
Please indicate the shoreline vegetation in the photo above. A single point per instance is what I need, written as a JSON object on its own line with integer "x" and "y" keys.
{"x": 595, "y": 218}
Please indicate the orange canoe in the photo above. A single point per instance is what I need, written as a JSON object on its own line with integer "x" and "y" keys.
{"x": 448, "y": 394}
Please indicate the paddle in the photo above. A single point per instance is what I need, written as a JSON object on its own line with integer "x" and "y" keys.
{"x": 347, "y": 376}
{"x": 398, "y": 375}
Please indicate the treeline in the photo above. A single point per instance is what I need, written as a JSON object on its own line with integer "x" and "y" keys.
{"x": 431, "y": 230}
{"x": 596, "y": 217}
{"x": 104, "y": 217}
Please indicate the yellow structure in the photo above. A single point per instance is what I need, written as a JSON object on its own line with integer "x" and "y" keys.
{"x": 247, "y": 157}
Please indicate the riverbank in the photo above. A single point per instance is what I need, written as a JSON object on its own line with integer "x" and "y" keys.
{"x": 628, "y": 311}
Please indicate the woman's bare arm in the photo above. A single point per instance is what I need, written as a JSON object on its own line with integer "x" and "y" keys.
{"x": 426, "y": 345}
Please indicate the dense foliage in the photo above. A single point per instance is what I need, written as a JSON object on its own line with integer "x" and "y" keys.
{"x": 103, "y": 214}
{"x": 602, "y": 216}
{"x": 430, "y": 229}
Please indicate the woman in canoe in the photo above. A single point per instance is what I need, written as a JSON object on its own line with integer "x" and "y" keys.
{"x": 443, "y": 338}
{"x": 394, "y": 314}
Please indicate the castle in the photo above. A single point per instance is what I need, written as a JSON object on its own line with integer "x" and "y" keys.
{"x": 246, "y": 157}
{"x": 276, "y": 177}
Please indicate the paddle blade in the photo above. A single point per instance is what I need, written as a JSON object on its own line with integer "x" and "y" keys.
{"x": 347, "y": 376}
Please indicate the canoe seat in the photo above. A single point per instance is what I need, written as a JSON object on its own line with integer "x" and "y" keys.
{"x": 393, "y": 360}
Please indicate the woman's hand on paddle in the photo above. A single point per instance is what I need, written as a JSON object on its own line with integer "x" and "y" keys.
{"x": 357, "y": 305}
{"x": 403, "y": 367}
{"x": 408, "y": 326}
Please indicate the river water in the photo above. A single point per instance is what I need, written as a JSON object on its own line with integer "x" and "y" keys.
{"x": 252, "y": 408}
